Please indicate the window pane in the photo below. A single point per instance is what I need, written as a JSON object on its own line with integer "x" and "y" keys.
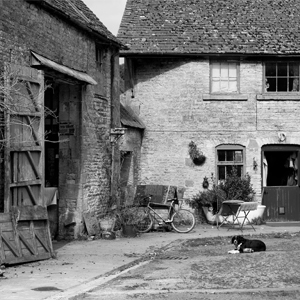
{"x": 271, "y": 84}
{"x": 293, "y": 69}
{"x": 229, "y": 170}
{"x": 215, "y": 86}
{"x": 238, "y": 156}
{"x": 282, "y": 85}
{"x": 215, "y": 70}
{"x": 232, "y": 71}
{"x": 224, "y": 86}
{"x": 221, "y": 171}
{"x": 229, "y": 155}
{"x": 270, "y": 69}
{"x": 294, "y": 84}
{"x": 221, "y": 155}
{"x": 224, "y": 70}
{"x": 282, "y": 69}
{"x": 232, "y": 86}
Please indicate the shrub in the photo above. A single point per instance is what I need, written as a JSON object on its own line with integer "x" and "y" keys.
{"x": 237, "y": 188}
{"x": 232, "y": 188}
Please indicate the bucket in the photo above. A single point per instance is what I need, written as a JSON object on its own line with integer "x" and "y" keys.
{"x": 129, "y": 231}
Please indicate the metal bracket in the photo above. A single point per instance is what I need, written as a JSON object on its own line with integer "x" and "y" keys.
{"x": 116, "y": 133}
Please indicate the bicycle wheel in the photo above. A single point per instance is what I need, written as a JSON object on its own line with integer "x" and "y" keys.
{"x": 183, "y": 221}
{"x": 144, "y": 221}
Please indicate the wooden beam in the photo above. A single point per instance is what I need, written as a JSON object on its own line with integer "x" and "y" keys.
{"x": 28, "y": 212}
{"x": 9, "y": 245}
{"x": 25, "y": 183}
{"x": 33, "y": 165}
{"x": 38, "y": 236}
{"x": 27, "y": 245}
{"x": 36, "y": 139}
{"x": 32, "y": 197}
{"x": 32, "y": 98}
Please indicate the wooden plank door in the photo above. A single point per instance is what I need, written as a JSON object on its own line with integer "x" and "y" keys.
{"x": 282, "y": 202}
{"x": 24, "y": 226}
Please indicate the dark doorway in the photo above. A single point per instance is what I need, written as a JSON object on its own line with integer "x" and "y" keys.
{"x": 51, "y": 134}
{"x": 282, "y": 168}
{"x": 280, "y": 189}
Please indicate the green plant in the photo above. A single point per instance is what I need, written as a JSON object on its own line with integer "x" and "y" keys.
{"x": 236, "y": 187}
{"x": 211, "y": 197}
{"x": 232, "y": 188}
{"x": 196, "y": 155}
{"x": 129, "y": 215}
{"x": 258, "y": 221}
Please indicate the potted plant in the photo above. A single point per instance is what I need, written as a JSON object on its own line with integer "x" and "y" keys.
{"x": 234, "y": 187}
{"x": 207, "y": 203}
{"x": 196, "y": 155}
{"x": 108, "y": 219}
{"x": 129, "y": 216}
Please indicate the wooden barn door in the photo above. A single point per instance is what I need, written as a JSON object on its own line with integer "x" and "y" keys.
{"x": 24, "y": 227}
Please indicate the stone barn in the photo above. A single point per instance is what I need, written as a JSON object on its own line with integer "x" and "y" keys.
{"x": 59, "y": 67}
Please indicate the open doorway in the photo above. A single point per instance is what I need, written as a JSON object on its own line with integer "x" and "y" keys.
{"x": 281, "y": 168}
{"x": 51, "y": 134}
{"x": 51, "y": 146}
{"x": 280, "y": 177}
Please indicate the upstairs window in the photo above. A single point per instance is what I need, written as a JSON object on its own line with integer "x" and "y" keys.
{"x": 282, "y": 77}
{"x": 100, "y": 57}
{"x": 224, "y": 77}
{"x": 229, "y": 157}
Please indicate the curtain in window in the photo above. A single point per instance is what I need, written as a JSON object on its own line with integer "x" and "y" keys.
{"x": 265, "y": 171}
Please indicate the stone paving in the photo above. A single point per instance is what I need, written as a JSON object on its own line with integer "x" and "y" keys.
{"x": 82, "y": 266}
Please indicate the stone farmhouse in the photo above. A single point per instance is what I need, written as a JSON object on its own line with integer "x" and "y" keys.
{"x": 59, "y": 69}
{"x": 225, "y": 75}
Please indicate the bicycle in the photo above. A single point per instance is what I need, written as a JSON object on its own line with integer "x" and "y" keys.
{"x": 181, "y": 220}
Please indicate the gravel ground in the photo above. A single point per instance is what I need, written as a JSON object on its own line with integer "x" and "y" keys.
{"x": 203, "y": 269}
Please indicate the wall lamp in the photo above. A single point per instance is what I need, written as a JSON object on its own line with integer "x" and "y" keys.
{"x": 254, "y": 164}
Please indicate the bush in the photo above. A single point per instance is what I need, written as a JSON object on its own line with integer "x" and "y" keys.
{"x": 237, "y": 188}
{"x": 232, "y": 188}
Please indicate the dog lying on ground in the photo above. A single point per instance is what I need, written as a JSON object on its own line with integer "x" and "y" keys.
{"x": 243, "y": 245}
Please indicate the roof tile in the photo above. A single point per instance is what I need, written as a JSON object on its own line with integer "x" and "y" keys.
{"x": 78, "y": 11}
{"x": 211, "y": 26}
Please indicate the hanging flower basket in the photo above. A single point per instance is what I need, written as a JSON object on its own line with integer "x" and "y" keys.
{"x": 196, "y": 155}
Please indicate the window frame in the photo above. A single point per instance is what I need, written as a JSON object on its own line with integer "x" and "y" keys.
{"x": 237, "y": 63}
{"x": 230, "y": 147}
{"x": 100, "y": 54}
{"x": 286, "y": 93}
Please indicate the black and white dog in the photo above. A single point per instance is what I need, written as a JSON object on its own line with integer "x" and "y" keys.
{"x": 243, "y": 245}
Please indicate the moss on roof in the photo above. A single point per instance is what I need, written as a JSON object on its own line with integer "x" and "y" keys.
{"x": 211, "y": 27}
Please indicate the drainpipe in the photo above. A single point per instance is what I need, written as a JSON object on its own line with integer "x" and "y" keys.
{"x": 115, "y": 120}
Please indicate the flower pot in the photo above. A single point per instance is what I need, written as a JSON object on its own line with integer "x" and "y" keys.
{"x": 210, "y": 217}
{"x": 129, "y": 230}
{"x": 107, "y": 224}
{"x": 199, "y": 161}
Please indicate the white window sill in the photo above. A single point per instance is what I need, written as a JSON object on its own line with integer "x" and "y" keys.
{"x": 225, "y": 97}
{"x": 277, "y": 97}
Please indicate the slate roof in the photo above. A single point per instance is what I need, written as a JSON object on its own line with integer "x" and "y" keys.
{"x": 128, "y": 118}
{"x": 269, "y": 27}
{"x": 77, "y": 11}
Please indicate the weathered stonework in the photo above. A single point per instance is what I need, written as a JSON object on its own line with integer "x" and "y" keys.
{"x": 172, "y": 97}
{"x": 86, "y": 114}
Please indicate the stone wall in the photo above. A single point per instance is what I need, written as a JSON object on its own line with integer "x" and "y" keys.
{"x": 130, "y": 143}
{"x": 172, "y": 98}
{"x": 85, "y": 160}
